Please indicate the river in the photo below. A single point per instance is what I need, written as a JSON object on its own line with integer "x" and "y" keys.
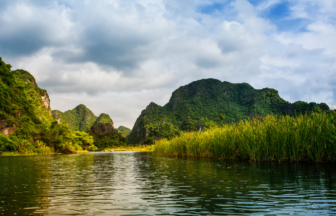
{"x": 137, "y": 183}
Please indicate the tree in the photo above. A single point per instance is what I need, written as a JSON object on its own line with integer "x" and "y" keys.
{"x": 221, "y": 118}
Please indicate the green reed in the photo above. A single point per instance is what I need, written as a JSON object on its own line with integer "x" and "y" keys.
{"x": 41, "y": 150}
{"x": 309, "y": 137}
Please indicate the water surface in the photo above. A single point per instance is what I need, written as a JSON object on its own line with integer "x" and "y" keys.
{"x": 137, "y": 183}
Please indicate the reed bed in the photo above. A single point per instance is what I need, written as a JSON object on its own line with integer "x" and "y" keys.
{"x": 309, "y": 137}
{"x": 42, "y": 150}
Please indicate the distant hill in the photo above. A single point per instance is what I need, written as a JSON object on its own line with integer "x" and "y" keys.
{"x": 78, "y": 119}
{"x": 193, "y": 106}
{"x": 103, "y": 118}
{"x": 101, "y": 128}
{"x": 124, "y": 131}
{"x": 104, "y": 134}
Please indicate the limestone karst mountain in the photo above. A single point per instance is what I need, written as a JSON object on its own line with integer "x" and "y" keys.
{"x": 21, "y": 98}
{"x": 104, "y": 134}
{"x": 124, "y": 131}
{"x": 101, "y": 128}
{"x": 26, "y": 123}
{"x": 78, "y": 119}
{"x": 199, "y": 103}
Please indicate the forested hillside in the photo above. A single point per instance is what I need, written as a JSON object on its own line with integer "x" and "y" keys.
{"x": 79, "y": 119}
{"x": 101, "y": 128}
{"x": 105, "y": 135}
{"x": 210, "y": 101}
{"x": 124, "y": 131}
{"x": 26, "y": 124}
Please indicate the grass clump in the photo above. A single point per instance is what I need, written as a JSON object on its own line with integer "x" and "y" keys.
{"x": 307, "y": 137}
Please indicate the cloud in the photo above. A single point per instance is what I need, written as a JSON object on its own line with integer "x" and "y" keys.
{"x": 26, "y": 29}
{"x": 118, "y": 56}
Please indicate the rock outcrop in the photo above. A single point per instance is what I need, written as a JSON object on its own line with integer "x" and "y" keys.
{"x": 7, "y": 127}
{"x": 101, "y": 130}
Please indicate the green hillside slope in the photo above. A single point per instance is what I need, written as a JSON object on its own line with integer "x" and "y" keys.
{"x": 78, "y": 119}
{"x": 124, "y": 131}
{"x": 103, "y": 118}
{"x": 26, "y": 124}
{"x": 194, "y": 106}
{"x": 104, "y": 134}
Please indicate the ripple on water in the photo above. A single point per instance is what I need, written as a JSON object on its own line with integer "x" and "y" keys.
{"x": 131, "y": 183}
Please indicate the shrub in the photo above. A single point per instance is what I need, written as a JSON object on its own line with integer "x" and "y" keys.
{"x": 6, "y": 144}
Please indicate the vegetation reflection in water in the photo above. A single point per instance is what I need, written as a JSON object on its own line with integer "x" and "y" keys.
{"x": 134, "y": 183}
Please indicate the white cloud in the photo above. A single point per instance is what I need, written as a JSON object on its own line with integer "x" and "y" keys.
{"x": 118, "y": 56}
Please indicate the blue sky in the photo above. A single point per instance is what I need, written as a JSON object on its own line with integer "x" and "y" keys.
{"x": 277, "y": 12}
{"x": 117, "y": 56}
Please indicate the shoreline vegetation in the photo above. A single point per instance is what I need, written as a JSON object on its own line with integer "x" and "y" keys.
{"x": 49, "y": 151}
{"x": 134, "y": 148}
{"x": 308, "y": 137}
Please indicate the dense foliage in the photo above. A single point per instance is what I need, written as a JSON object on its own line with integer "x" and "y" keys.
{"x": 101, "y": 128}
{"x": 25, "y": 113}
{"x": 199, "y": 104}
{"x": 105, "y": 136}
{"x": 124, "y": 131}
{"x": 308, "y": 137}
{"x": 103, "y": 119}
{"x": 78, "y": 119}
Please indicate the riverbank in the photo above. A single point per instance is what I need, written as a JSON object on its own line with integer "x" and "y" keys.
{"x": 273, "y": 138}
{"x": 133, "y": 148}
{"x": 24, "y": 153}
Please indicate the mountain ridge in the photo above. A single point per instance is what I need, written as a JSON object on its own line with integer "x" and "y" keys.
{"x": 194, "y": 105}
{"x": 80, "y": 118}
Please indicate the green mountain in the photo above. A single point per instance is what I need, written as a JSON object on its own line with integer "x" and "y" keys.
{"x": 198, "y": 104}
{"x": 124, "y": 131}
{"x": 101, "y": 128}
{"x": 26, "y": 123}
{"x": 103, "y": 118}
{"x": 78, "y": 119}
{"x": 21, "y": 98}
{"x": 104, "y": 134}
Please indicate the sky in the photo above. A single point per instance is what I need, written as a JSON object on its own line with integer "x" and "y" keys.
{"x": 117, "y": 56}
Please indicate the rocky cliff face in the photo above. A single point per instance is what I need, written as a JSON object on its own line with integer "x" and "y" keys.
{"x": 192, "y": 106}
{"x": 99, "y": 131}
{"x": 8, "y": 127}
{"x": 57, "y": 115}
{"x": 46, "y": 102}
{"x": 102, "y": 127}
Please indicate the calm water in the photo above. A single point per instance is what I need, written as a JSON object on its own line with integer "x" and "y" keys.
{"x": 137, "y": 183}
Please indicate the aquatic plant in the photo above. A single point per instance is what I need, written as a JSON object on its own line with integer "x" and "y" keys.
{"x": 305, "y": 137}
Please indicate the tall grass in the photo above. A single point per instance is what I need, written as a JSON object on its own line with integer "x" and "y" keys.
{"x": 41, "y": 149}
{"x": 309, "y": 137}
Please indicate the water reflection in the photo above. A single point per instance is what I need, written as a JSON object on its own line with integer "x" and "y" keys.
{"x": 128, "y": 183}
